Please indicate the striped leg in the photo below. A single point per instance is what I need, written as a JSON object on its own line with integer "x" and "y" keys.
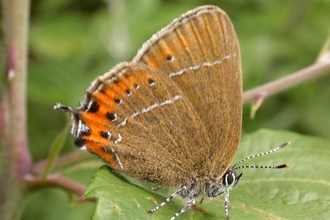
{"x": 155, "y": 188}
{"x": 168, "y": 199}
{"x": 190, "y": 202}
{"x": 226, "y": 195}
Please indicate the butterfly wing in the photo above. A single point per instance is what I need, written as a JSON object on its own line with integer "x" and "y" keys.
{"x": 200, "y": 52}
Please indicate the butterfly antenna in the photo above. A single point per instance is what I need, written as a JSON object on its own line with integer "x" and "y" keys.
{"x": 262, "y": 154}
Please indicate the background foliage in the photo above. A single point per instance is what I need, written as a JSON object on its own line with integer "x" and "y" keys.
{"x": 71, "y": 42}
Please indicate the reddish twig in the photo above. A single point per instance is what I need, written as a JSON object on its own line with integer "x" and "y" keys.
{"x": 311, "y": 72}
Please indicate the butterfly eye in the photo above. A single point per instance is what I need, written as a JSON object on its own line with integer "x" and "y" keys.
{"x": 229, "y": 178}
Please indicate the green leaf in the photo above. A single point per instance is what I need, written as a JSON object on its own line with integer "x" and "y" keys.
{"x": 300, "y": 192}
{"x": 55, "y": 149}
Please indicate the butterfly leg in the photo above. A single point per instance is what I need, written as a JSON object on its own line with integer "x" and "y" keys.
{"x": 168, "y": 199}
{"x": 226, "y": 195}
{"x": 155, "y": 188}
{"x": 190, "y": 202}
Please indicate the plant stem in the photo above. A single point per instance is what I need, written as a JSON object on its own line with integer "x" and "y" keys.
{"x": 56, "y": 181}
{"x": 313, "y": 71}
{"x": 16, "y": 160}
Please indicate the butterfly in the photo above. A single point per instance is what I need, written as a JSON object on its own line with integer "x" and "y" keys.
{"x": 173, "y": 115}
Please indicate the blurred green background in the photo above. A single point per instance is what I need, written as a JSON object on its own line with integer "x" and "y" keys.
{"x": 73, "y": 41}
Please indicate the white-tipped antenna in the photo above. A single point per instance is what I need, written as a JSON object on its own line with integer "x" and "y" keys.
{"x": 261, "y": 154}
